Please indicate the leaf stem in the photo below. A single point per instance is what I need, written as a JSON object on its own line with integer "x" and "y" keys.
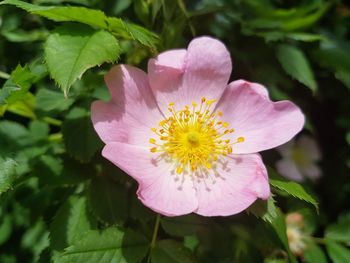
{"x": 183, "y": 9}
{"x": 154, "y": 237}
{"x": 155, "y": 232}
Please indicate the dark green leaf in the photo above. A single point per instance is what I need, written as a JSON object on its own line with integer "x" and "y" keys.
{"x": 171, "y": 251}
{"x": 183, "y": 225}
{"x": 109, "y": 200}
{"x": 79, "y": 136}
{"x": 296, "y": 65}
{"x": 72, "y": 221}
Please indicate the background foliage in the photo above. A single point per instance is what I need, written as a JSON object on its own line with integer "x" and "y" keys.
{"x": 62, "y": 202}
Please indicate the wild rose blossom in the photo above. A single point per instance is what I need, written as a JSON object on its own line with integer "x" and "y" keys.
{"x": 299, "y": 159}
{"x": 186, "y": 136}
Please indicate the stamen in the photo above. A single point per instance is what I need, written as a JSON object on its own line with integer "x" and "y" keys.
{"x": 194, "y": 138}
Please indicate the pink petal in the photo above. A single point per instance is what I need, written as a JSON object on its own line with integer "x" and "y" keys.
{"x": 287, "y": 168}
{"x": 182, "y": 76}
{"x": 159, "y": 188}
{"x": 131, "y": 113}
{"x": 263, "y": 124}
{"x": 239, "y": 180}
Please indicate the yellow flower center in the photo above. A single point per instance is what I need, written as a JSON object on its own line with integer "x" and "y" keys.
{"x": 194, "y": 137}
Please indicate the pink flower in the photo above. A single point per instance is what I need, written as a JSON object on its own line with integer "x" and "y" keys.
{"x": 189, "y": 139}
{"x": 299, "y": 159}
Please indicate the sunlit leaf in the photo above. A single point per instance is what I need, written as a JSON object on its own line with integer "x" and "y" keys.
{"x": 70, "y": 51}
{"x": 106, "y": 246}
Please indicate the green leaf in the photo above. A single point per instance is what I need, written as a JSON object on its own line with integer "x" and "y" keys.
{"x": 291, "y": 188}
{"x": 79, "y": 136}
{"x": 17, "y": 86}
{"x": 296, "y": 65}
{"x": 337, "y": 252}
{"x": 7, "y": 174}
{"x": 171, "y": 251}
{"x": 91, "y": 17}
{"x": 5, "y": 228}
{"x": 333, "y": 54}
{"x": 12, "y": 137}
{"x": 340, "y": 231}
{"x": 106, "y": 246}
{"x": 72, "y": 222}
{"x": 279, "y": 225}
{"x": 183, "y": 225}
{"x": 70, "y": 51}
{"x": 314, "y": 253}
{"x": 49, "y": 100}
{"x": 108, "y": 200}
{"x": 266, "y": 210}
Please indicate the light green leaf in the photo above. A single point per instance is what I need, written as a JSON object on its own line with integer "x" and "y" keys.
{"x": 296, "y": 65}
{"x": 108, "y": 200}
{"x": 7, "y": 174}
{"x": 339, "y": 231}
{"x": 49, "y": 100}
{"x": 171, "y": 251}
{"x": 72, "y": 221}
{"x": 291, "y": 188}
{"x": 91, "y": 17}
{"x": 17, "y": 86}
{"x": 83, "y": 15}
{"x": 107, "y": 246}
{"x": 70, "y": 51}
{"x": 337, "y": 252}
{"x": 79, "y": 136}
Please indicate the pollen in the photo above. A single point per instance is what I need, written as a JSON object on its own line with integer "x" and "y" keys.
{"x": 194, "y": 137}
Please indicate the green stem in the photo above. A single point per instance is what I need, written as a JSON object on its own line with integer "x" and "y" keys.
{"x": 56, "y": 137}
{"x": 184, "y": 11}
{"x": 52, "y": 121}
{"x": 154, "y": 237}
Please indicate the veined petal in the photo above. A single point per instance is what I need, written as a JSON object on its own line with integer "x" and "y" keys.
{"x": 131, "y": 113}
{"x": 264, "y": 124}
{"x": 160, "y": 188}
{"x": 235, "y": 184}
{"x": 182, "y": 76}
